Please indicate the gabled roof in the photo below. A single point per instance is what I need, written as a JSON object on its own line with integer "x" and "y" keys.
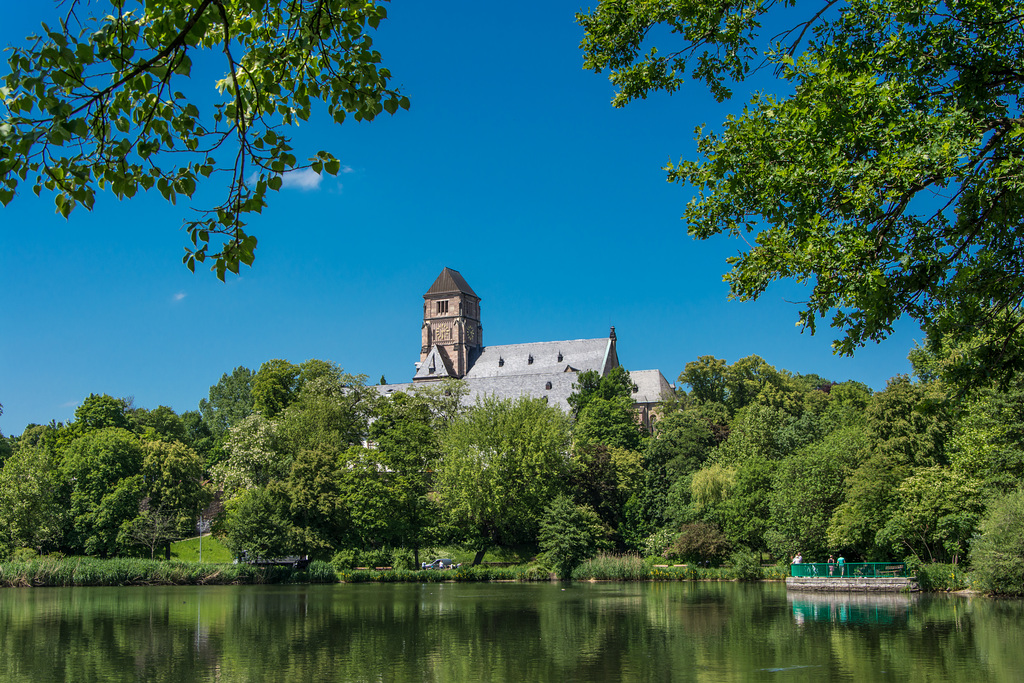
{"x": 449, "y": 282}
{"x": 434, "y": 366}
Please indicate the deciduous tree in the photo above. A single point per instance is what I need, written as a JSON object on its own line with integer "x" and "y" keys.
{"x": 103, "y": 470}
{"x": 229, "y": 402}
{"x": 504, "y": 461}
{"x": 998, "y": 554}
{"x": 33, "y": 513}
{"x": 409, "y": 449}
{"x": 100, "y": 98}
{"x": 886, "y": 175}
{"x": 570, "y": 534}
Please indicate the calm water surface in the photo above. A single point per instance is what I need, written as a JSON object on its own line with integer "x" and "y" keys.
{"x": 503, "y": 632}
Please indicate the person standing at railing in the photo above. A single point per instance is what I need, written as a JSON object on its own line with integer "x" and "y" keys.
{"x": 831, "y": 565}
{"x": 841, "y": 562}
{"x": 798, "y": 559}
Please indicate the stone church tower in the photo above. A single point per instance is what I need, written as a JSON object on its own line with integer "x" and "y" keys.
{"x": 452, "y": 334}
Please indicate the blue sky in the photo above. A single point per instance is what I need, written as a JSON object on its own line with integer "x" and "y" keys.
{"x": 510, "y": 167}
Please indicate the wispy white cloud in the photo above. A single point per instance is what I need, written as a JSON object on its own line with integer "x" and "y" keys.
{"x": 305, "y": 179}
{"x": 179, "y": 296}
{"x": 69, "y": 404}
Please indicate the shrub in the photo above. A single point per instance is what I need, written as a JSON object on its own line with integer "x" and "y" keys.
{"x": 699, "y": 542}
{"x": 403, "y": 558}
{"x": 344, "y": 559}
{"x": 656, "y": 544}
{"x": 998, "y": 553}
{"x": 374, "y": 557}
{"x": 569, "y": 534}
{"x": 24, "y": 554}
{"x": 940, "y": 577}
{"x": 746, "y": 565}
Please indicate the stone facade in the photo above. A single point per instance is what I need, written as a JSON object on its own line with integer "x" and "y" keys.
{"x": 451, "y": 327}
{"x": 451, "y": 346}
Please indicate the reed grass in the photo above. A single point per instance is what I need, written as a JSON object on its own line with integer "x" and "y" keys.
{"x": 462, "y": 574}
{"x": 123, "y": 571}
{"x": 629, "y": 567}
{"x": 90, "y": 571}
{"x": 609, "y": 567}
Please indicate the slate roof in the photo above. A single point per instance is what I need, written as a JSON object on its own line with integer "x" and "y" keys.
{"x": 507, "y": 387}
{"x": 449, "y": 282}
{"x": 543, "y": 358}
{"x": 434, "y": 366}
{"x": 651, "y": 386}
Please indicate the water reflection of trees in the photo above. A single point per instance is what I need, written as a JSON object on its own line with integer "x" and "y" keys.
{"x": 441, "y": 632}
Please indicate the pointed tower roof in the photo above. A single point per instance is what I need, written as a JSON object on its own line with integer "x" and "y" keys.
{"x": 435, "y": 366}
{"x": 450, "y": 282}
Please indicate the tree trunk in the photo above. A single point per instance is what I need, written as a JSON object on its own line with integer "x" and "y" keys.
{"x": 479, "y": 557}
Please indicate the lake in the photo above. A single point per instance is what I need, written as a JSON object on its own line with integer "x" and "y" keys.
{"x": 504, "y": 632}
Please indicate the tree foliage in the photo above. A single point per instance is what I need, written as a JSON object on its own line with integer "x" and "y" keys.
{"x": 936, "y": 511}
{"x": 103, "y": 469}
{"x": 569, "y": 534}
{"x": 274, "y": 387}
{"x": 258, "y": 525}
{"x": 699, "y": 542}
{"x": 229, "y": 402}
{"x": 888, "y": 179}
{"x": 504, "y": 461}
{"x": 101, "y": 99}
{"x": 31, "y": 508}
{"x": 409, "y": 448}
{"x": 809, "y": 485}
{"x": 998, "y": 554}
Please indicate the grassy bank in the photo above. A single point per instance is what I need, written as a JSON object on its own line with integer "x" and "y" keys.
{"x": 214, "y": 552}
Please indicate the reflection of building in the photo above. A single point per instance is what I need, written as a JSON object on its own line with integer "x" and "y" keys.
{"x": 452, "y": 347}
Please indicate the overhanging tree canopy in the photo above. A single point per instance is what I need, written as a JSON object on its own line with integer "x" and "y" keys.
{"x": 890, "y": 181}
{"x": 95, "y": 101}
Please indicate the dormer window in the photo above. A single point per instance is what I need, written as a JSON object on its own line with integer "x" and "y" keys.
{"x": 501, "y": 361}
{"x": 559, "y": 356}
{"x": 548, "y": 386}
{"x": 529, "y": 361}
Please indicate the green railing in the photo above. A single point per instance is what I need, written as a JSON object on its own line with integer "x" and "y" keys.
{"x": 849, "y": 570}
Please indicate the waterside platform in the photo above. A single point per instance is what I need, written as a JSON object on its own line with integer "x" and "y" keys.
{"x": 859, "y": 577}
{"x": 824, "y": 584}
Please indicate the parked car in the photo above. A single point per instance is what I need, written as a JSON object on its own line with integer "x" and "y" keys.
{"x": 443, "y": 563}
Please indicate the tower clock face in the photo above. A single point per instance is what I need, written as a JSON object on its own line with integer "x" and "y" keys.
{"x": 471, "y": 333}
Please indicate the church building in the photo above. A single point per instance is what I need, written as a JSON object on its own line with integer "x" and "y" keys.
{"x": 453, "y": 347}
